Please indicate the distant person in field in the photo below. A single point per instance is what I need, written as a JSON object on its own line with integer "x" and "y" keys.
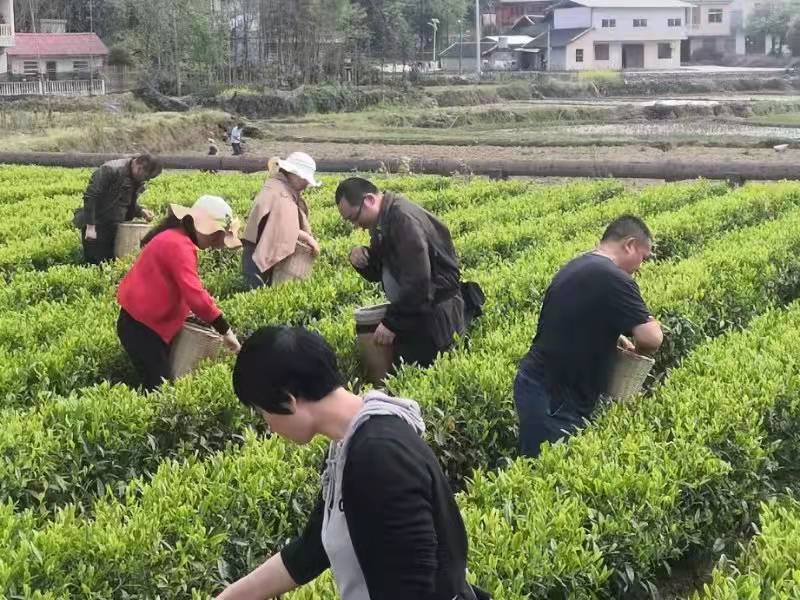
{"x": 111, "y": 199}
{"x": 386, "y": 523}
{"x": 278, "y": 219}
{"x": 589, "y": 307}
{"x": 163, "y": 287}
{"x": 236, "y": 138}
{"x": 412, "y": 254}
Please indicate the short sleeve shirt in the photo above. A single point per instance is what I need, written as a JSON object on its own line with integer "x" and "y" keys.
{"x": 588, "y": 305}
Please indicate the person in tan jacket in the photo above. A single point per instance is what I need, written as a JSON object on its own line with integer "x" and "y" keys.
{"x": 278, "y": 218}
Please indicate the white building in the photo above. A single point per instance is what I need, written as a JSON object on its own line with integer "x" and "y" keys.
{"x": 6, "y": 33}
{"x": 719, "y": 27}
{"x": 615, "y": 34}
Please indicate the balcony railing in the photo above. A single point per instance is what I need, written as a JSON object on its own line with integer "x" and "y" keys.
{"x": 6, "y": 35}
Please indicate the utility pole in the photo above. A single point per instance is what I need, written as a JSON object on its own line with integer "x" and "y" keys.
{"x": 547, "y": 57}
{"x": 478, "y": 38}
{"x": 435, "y": 24}
{"x": 460, "y": 43}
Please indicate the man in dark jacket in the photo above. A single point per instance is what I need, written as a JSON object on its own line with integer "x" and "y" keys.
{"x": 111, "y": 199}
{"x": 411, "y": 253}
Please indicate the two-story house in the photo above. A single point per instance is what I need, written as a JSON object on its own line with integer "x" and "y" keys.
{"x": 614, "y": 35}
{"x": 711, "y": 27}
{"x": 6, "y": 33}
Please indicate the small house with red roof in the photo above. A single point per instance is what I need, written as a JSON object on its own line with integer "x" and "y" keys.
{"x": 54, "y": 56}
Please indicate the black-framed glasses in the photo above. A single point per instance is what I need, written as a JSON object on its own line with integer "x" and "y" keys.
{"x": 354, "y": 219}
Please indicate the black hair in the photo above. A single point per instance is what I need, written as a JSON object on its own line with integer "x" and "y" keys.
{"x": 171, "y": 222}
{"x": 625, "y": 227}
{"x": 151, "y": 166}
{"x": 278, "y": 361}
{"x": 353, "y": 190}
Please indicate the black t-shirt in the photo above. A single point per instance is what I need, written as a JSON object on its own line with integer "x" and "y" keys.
{"x": 589, "y": 303}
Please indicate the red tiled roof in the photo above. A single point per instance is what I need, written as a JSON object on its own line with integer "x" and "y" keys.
{"x": 57, "y": 44}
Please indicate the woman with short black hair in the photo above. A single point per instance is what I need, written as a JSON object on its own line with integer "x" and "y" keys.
{"x": 387, "y": 524}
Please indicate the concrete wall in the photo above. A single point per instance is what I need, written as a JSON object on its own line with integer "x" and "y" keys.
{"x": 558, "y": 59}
{"x": 572, "y": 18}
{"x": 657, "y": 24}
{"x": 64, "y": 66}
{"x": 467, "y": 64}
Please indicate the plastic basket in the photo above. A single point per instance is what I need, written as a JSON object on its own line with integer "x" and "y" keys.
{"x": 129, "y": 238}
{"x": 193, "y": 344}
{"x": 376, "y": 359}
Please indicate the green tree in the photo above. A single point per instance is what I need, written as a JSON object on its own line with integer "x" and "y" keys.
{"x": 772, "y": 19}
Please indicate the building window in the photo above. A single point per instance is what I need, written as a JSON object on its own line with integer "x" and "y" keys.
{"x": 579, "y": 55}
{"x": 640, "y": 22}
{"x": 715, "y": 15}
{"x": 30, "y": 68}
{"x": 80, "y": 66}
{"x": 665, "y": 51}
{"x": 609, "y": 23}
{"x": 674, "y": 22}
{"x": 601, "y": 51}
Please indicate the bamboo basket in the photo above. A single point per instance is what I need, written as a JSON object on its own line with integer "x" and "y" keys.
{"x": 295, "y": 266}
{"x": 376, "y": 360}
{"x": 193, "y": 344}
{"x": 629, "y": 373}
{"x": 129, "y": 238}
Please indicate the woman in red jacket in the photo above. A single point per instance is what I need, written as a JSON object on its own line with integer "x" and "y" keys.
{"x": 163, "y": 288}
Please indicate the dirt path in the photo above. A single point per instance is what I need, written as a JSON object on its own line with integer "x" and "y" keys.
{"x": 632, "y": 152}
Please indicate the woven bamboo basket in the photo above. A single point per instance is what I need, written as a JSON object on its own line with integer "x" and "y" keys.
{"x": 376, "y": 360}
{"x": 129, "y": 238}
{"x": 629, "y": 373}
{"x": 296, "y": 266}
{"x": 193, "y": 344}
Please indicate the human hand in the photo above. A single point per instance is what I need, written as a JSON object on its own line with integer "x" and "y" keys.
{"x": 231, "y": 341}
{"x": 359, "y": 257}
{"x": 626, "y": 344}
{"x": 147, "y": 214}
{"x": 383, "y": 336}
{"x": 91, "y": 232}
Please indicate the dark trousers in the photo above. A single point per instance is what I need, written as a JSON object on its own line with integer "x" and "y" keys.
{"x": 147, "y": 351}
{"x": 237, "y": 149}
{"x": 253, "y": 278}
{"x": 99, "y": 250}
{"x": 411, "y": 349}
{"x": 541, "y": 417}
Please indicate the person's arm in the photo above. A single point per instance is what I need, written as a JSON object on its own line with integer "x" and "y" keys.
{"x": 367, "y": 260}
{"x": 648, "y": 337}
{"x": 268, "y": 581}
{"x": 181, "y": 261}
{"x": 301, "y": 561}
{"x": 414, "y": 279}
{"x": 387, "y": 493}
{"x": 629, "y": 314}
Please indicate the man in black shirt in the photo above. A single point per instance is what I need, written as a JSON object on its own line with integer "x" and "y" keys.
{"x": 386, "y": 523}
{"x": 588, "y": 307}
{"x": 412, "y": 254}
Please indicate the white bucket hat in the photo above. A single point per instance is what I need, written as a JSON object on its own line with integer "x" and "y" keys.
{"x": 211, "y": 214}
{"x": 299, "y": 163}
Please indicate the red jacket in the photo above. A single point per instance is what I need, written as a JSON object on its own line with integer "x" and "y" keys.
{"x": 163, "y": 286}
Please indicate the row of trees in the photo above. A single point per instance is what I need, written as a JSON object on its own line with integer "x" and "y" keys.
{"x": 284, "y": 41}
